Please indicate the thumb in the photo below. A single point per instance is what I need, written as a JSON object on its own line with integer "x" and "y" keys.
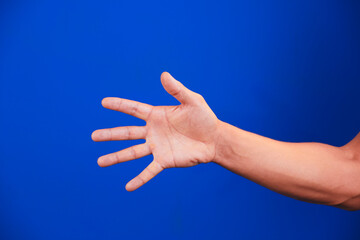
{"x": 176, "y": 89}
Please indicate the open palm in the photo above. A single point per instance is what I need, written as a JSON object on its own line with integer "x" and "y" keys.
{"x": 177, "y": 136}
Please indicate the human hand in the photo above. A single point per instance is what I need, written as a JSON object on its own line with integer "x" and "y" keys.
{"x": 176, "y": 136}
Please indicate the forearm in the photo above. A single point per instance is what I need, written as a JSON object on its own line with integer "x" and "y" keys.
{"x": 312, "y": 172}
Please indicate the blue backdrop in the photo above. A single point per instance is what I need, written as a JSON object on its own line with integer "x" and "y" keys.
{"x": 289, "y": 70}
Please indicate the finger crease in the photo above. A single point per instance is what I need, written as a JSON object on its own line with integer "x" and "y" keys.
{"x": 111, "y": 134}
{"x": 152, "y": 173}
{"x": 134, "y": 110}
{"x": 141, "y": 179}
{"x": 119, "y": 105}
{"x": 117, "y": 157}
{"x": 128, "y": 133}
{"x": 133, "y": 152}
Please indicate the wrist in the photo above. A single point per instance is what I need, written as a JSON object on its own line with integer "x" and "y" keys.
{"x": 232, "y": 143}
{"x": 220, "y": 142}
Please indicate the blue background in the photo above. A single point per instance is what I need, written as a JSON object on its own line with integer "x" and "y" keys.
{"x": 288, "y": 70}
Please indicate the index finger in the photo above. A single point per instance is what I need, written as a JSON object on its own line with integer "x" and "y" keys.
{"x": 133, "y": 108}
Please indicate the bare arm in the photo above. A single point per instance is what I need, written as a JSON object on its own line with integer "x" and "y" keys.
{"x": 190, "y": 134}
{"x": 312, "y": 172}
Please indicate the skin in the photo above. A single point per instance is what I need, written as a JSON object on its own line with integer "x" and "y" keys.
{"x": 190, "y": 134}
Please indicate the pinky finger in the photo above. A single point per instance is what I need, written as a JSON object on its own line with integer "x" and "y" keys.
{"x": 146, "y": 175}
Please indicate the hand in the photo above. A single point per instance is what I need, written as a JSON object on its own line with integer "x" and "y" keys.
{"x": 177, "y": 136}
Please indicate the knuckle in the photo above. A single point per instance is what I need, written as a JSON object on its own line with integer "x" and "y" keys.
{"x": 150, "y": 171}
{"x": 134, "y": 109}
{"x": 117, "y": 157}
{"x": 176, "y": 92}
{"x": 141, "y": 178}
{"x": 111, "y": 134}
{"x": 128, "y": 133}
{"x": 133, "y": 153}
{"x": 119, "y": 104}
{"x": 200, "y": 97}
